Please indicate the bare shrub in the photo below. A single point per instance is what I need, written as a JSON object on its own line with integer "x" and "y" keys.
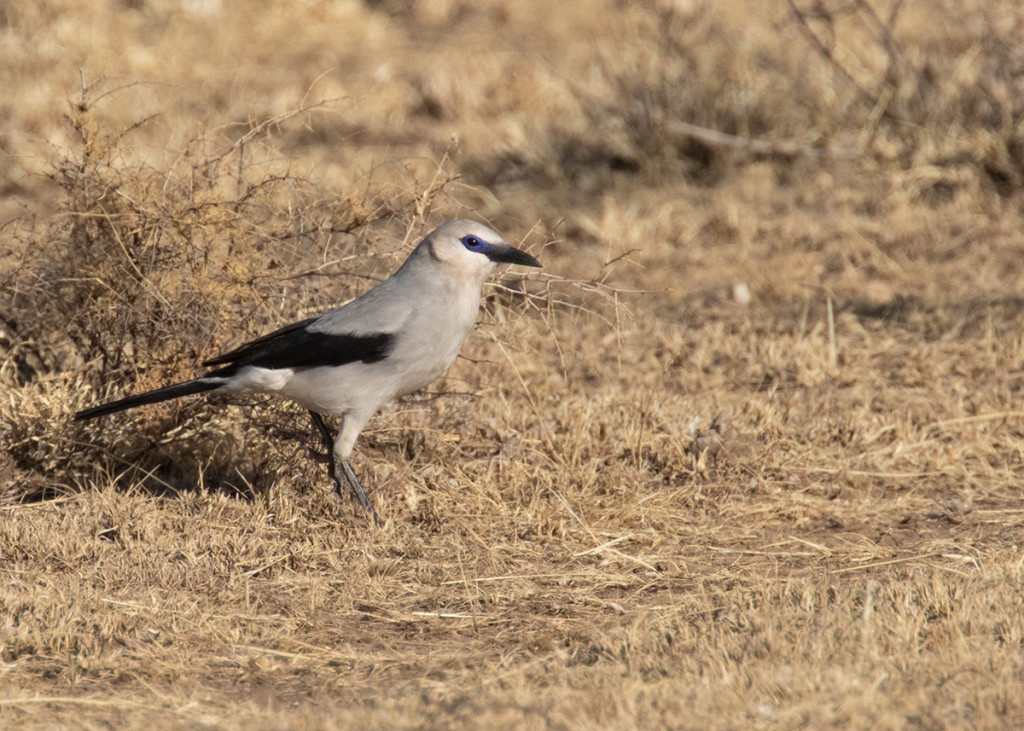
{"x": 147, "y": 269}
{"x": 685, "y": 85}
{"x": 954, "y": 103}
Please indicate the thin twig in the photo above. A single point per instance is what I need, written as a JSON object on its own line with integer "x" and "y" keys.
{"x": 714, "y": 138}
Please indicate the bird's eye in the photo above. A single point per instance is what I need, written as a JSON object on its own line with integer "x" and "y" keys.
{"x": 472, "y": 242}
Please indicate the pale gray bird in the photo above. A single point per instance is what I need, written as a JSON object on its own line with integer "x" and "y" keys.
{"x": 393, "y": 340}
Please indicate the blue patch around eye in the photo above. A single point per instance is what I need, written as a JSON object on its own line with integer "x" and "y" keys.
{"x": 475, "y": 243}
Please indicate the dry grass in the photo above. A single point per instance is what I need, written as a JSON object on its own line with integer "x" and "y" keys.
{"x": 747, "y": 453}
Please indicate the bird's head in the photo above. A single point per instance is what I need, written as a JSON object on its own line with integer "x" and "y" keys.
{"x": 471, "y": 249}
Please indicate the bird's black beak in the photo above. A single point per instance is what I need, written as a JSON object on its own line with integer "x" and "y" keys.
{"x": 506, "y": 254}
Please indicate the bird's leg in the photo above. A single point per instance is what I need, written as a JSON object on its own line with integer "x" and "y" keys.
{"x": 357, "y": 490}
{"x": 332, "y": 466}
{"x": 352, "y": 482}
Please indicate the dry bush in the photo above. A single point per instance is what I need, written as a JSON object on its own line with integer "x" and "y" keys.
{"x": 145, "y": 271}
{"x": 688, "y": 85}
{"x": 946, "y": 106}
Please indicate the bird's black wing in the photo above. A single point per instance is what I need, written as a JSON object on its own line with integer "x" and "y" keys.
{"x": 296, "y": 346}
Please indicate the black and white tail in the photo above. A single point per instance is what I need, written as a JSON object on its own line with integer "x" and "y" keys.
{"x": 166, "y": 393}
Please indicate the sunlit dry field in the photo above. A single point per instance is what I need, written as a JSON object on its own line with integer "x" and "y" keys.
{"x": 747, "y": 453}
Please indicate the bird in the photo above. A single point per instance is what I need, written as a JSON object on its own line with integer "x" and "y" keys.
{"x": 395, "y": 339}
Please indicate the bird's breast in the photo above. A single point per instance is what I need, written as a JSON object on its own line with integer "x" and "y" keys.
{"x": 431, "y": 342}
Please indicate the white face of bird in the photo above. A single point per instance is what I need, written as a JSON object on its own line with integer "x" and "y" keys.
{"x": 471, "y": 248}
